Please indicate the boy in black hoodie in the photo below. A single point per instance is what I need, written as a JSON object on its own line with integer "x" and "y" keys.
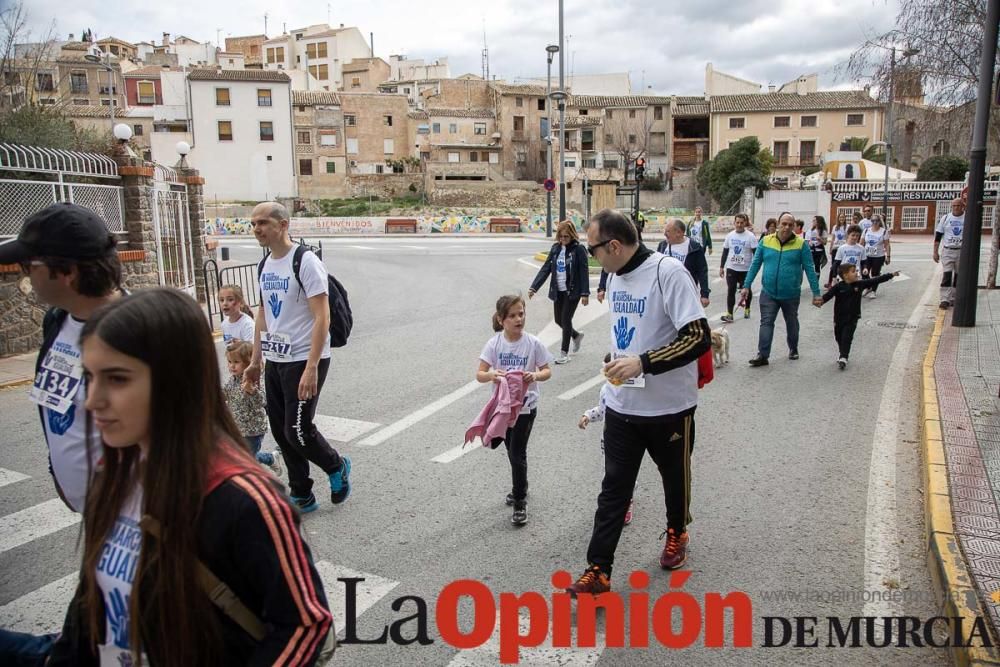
{"x": 847, "y": 306}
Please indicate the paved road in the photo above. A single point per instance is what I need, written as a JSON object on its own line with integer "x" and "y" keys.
{"x": 789, "y": 500}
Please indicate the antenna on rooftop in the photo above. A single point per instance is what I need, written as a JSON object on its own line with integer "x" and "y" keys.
{"x": 486, "y": 54}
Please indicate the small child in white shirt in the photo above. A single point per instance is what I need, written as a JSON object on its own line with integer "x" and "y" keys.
{"x": 595, "y": 415}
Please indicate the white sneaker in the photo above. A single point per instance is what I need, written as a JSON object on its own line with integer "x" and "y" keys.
{"x": 842, "y": 363}
{"x": 276, "y": 466}
{"x": 871, "y": 295}
{"x": 564, "y": 359}
{"x": 577, "y": 341}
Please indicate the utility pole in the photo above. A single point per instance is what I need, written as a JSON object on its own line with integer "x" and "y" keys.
{"x": 550, "y": 52}
{"x": 562, "y": 118}
{"x": 968, "y": 263}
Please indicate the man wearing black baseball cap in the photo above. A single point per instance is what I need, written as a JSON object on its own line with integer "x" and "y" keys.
{"x": 69, "y": 255}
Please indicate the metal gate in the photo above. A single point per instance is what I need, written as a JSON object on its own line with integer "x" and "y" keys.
{"x": 172, "y": 228}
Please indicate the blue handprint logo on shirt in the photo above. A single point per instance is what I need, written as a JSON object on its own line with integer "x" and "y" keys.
{"x": 275, "y": 303}
{"x": 623, "y": 334}
{"x": 60, "y": 423}
{"x": 737, "y": 249}
{"x": 118, "y": 617}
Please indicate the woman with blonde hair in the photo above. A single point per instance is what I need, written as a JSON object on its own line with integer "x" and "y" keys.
{"x": 570, "y": 284}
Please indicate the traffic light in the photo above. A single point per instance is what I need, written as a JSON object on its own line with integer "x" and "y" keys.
{"x": 640, "y": 168}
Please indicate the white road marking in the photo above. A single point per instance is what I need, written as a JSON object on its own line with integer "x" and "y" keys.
{"x": 361, "y": 247}
{"x": 35, "y": 522}
{"x": 582, "y": 387}
{"x": 342, "y": 429}
{"x": 10, "y": 477}
{"x": 901, "y": 277}
{"x": 42, "y": 610}
{"x": 488, "y": 655}
{"x": 882, "y": 566}
{"x": 417, "y": 247}
{"x": 368, "y": 592}
{"x": 455, "y": 452}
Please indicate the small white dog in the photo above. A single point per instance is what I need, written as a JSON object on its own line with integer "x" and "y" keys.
{"x": 720, "y": 346}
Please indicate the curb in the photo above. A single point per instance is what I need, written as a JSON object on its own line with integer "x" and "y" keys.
{"x": 944, "y": 556}
{"x": 11, "y": 384}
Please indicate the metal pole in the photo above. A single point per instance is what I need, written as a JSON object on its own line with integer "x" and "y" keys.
{"x": 111, "y": 90}
{"x": 888, "y": 140}
{"x": 548, "y": 145}
{"x": 968, "y": 264}
{"x": 562, "y": 118}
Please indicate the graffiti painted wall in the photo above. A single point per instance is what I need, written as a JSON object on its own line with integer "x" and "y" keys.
{"x": 440, "y": 223}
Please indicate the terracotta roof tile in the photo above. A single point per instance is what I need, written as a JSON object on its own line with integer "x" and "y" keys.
{"x": 462, "y": 113}
{"x": 238, "y": 75}
{"x": 91, "y": 111}
{"x": 834, "y": 99}
{"x": 152, "y": 71}
{"x": 314, "y": 97}
{"x": 520, "y": 89}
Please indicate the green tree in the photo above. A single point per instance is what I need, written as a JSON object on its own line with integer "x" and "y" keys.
{"x": 943, "y": 168}
{"x": 741, "y": 165}
{"x": 873, "y": 153}
{"x": 47, "y": 127}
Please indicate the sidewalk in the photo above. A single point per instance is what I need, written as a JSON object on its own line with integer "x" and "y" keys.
{"x": 17, "y": 369}
{"x": 961, "y": 411}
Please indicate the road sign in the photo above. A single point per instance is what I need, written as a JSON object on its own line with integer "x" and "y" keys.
{"x": 549, "y": 184}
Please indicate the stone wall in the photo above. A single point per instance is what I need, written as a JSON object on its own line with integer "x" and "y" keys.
{"x": 20, "y": 315}
{"x": 383, "y": 185}
{"x": 489, "y": 195}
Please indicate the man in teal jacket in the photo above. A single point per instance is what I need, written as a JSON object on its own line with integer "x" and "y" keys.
{"x": 784, "y": 257}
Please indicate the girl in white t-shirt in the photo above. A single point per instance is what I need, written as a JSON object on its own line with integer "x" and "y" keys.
{"x": 237, "y": 320}
{"x": 511, "y": 349}
{"x": 838, "y": 237}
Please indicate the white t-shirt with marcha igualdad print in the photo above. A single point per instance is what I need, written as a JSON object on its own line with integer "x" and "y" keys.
{"x": 526, "y": 354}
{"x": 286, "y": 306}
{"x": 741, "y": 248}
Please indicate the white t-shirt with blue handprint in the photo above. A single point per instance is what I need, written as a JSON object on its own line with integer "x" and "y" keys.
{"x": 646, "y": 316}
{"x": 115, "y": 575}
{"x": 526, "y": 354}
{"x": 66, "y": 432}
{"x": 561, "y": 270}
{"x": 286, "y": 307}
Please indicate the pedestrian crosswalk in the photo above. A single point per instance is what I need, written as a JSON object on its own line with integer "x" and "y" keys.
{"x": 35, "y": 522}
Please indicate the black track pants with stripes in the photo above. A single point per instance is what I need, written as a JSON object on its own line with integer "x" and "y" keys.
{"x": 669, "y": 441}
{"x": 292, "y": 423}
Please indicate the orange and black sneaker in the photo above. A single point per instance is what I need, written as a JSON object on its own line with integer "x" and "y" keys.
{"x": 592, "y": 581}
{"x": 675, "y": 550}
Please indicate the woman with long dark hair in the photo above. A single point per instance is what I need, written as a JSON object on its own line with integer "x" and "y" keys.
{"x": 816, "y": 237}
{"x": 179, "y": 508}
{"x": 570, "y": 284}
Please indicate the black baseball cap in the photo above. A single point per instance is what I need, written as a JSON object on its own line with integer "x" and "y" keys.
{"x": 62, "y": 230}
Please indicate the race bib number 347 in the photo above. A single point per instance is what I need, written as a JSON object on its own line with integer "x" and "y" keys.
{"x": 56, "y": 382}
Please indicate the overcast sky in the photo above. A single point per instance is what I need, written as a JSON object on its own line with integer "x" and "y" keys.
{"x": 767, "y": 41}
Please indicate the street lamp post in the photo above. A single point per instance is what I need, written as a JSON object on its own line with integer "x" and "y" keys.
{"x": 909, "y": 51}
{"x": 551, "y": 50}
{"x": 562, "y": 117}
{"x": 94, "y": 56}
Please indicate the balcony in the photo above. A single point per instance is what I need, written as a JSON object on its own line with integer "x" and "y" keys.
{"x": 518, "y": 135}
{"x": 785, "y": 161}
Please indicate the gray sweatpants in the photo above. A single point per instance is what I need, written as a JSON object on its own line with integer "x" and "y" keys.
{"x": 949, "y": 263}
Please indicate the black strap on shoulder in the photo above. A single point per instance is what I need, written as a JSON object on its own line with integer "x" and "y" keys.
{"x": 300, "y": 251}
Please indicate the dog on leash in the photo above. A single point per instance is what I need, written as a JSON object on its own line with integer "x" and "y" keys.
{"x": 720, "y": 346}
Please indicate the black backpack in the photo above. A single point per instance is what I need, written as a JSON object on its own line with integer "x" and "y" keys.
{"x": 341, "y": 318}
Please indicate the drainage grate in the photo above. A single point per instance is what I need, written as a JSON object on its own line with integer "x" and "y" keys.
{"x": 894, "y": 325}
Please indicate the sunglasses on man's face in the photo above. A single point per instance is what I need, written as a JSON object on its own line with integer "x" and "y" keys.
{"x": 593, "y": 248}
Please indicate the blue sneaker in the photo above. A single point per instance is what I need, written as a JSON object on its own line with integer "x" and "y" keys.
{"x": 340, "y": 482}
{"x": 306, "y": 504}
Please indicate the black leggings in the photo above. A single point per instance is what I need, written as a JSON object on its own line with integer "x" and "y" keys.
{"x": 833, "y": 266}
{"x": 874, "y": 265}
{"x": 564, "y": 308}
{"x": 818, "y": 257}
{"x": 516, "y": 441}
{"x": 734, "y": 281}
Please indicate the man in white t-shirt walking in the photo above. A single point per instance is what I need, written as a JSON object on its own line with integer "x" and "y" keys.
{"x": 658, "y": 331}
{"x": 948, "y": 248}
{"x": 293, "y": 335}
{"x": 866, "y": 219}
{"x": 70, "y": 258}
